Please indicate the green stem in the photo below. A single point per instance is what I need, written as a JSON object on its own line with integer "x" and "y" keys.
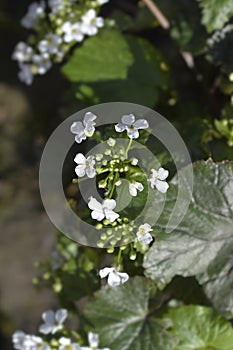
{"x": 113, "y": 187}
{"x": 128, "y": 147}
{"x": 119, "y": 258}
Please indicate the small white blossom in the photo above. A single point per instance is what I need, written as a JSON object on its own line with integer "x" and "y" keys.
{"x": 114, "y": 277}
{"x": 104, "y": 210}
{"x": 50, "y": 44}
{"x": 22, "y": 341}
{"x": 72, "y": 32}
{"x": 22, "y": 52}
{"x": 56, "y": 6}
{"x": 143, "y": 234}
{"x": 85, "y": 165}
{"x": 82, "y": 130}
{"x": 134, "y": 161}
{"x": 129, "y": 124}
{"x": 35, "y": 11}
{"x": 66, "y": 344}
{"x": 53, "y": 321}
{"x": 134, "y": 187}
{"x": 42, "y": 63}
{"x": 158, "y": 178}
{"x": 25, "y": 74}
{"x": 93, "y": 340}
{"x": 91, "y": 23}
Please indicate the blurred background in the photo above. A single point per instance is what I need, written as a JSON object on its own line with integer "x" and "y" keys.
{"x": 194, "y": 95}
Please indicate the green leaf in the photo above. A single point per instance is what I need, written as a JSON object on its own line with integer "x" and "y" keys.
{"x": 105, "y": 56}
{"x": 122, "y": 317}
{"x": 215, "y": 13}
{"x": 200, "y": 328}
{"x": 108, "y": 67}
{"x": 199, "y": 244}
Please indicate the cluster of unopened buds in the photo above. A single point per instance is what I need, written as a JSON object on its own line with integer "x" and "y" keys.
{"x": 69, "y": 23}
{"x": 115, "y": 163}
{"x": 53, "y": 324}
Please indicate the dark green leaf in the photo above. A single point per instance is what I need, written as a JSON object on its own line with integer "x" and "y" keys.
{"x": 122, "y": 318}
{"x": 199, "y": 241}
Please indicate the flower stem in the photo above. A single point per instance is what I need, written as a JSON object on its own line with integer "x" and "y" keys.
{"x": 119, "y": 258}
{"x": 128, "y": 147}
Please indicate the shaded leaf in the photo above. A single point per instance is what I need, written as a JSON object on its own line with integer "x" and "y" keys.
{"x": 194, "y": 247}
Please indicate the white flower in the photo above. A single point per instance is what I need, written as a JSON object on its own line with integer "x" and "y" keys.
{"x": 25, "y": 74}
{"x": 157, "y": 179}
{"x": 114, "y": 277}
{"x": 22, "y": 341}
{"x": 50, "y": 44}
{"x": 143, "y": 234}
{"x": 134, "y": 187}
{"x": 104, "y": 210}
{"x": 67, "y": 345}
{"x": 22, "y": 52}
{"x": 56, "y": 6}
{"x": 93, "y": 340}
{"x": 101, "y": 2}
{"x": 72, "y": 32}
{"x": 85, "y": 165}
{"x": 87, "y": 128}
{"x": 35, "y": 11}
{"x": 53, "y": 321}
{"x": 128, "y": 123}
{"x": 42, "y": 63}
{"x": 91, "y": 23}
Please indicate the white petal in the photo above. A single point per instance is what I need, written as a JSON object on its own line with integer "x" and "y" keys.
{"x": 146, "y": 227}
{"x": 75, "y": 346}
{"x": 45, "y": 328}
{"x": 77, "y": 128}
{"x": 80, "y": 137}
{"x": 64, "y": 341}
{"x": 128, "y": 119}
{"x": 110, "y": 215}
{"x": 80, "y": 170}
{"x": 162, "y": 174}
{"x": 141, "y": 124}
{"x": 120, "y": 127}
{"x": 99, "y": 22}
{"x": 89, "y": 117}
{"x": 162, "y": 186}
{"x": 48, "y": 317}
{"x": 93, "y": 340}
{"x": 154, "y": 173}
{"x": 139, "y": 186}
{"x": 61, "y": 315}
{"x": 146, "y": 238}
{"x": 105, "y": 271}
{"x": 80, "y": 159}
{"x": 132, "y": 190}
{"x": 94, "y": 204}
{"x": 123, "y": 276}
{"x": 109, "y": 204}
{"x": 133, "y": 133}
{"x": 91, "y": 172}
{"x": 91, "y": 160}
{"x": 97, "y": 215}
{"x": 114, "y": 279}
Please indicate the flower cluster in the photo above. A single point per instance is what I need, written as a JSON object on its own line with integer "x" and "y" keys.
{"x": 69, "y": 23}
{"x": 112, "y": 166}
{"x": 53, "y": 323}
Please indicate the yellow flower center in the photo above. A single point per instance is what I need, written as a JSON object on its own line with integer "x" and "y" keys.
{"x": 87, "y": 164}
{"x": 142, "y": 231}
